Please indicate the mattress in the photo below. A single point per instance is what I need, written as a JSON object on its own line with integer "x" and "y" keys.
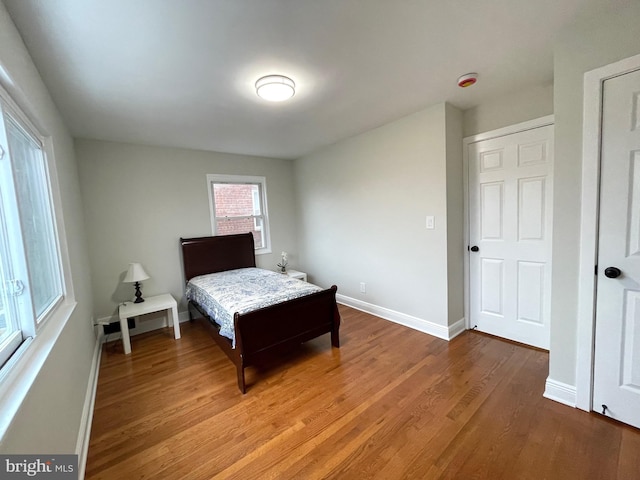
{"x": 243, "y": 290}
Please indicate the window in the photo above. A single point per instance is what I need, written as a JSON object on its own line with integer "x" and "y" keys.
{"x": 239, "y": 205}
{"x": 30, "y": 269}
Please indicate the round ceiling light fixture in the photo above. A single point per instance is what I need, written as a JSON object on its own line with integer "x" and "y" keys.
{"x": 275, "y": 88}
{"x": 467, "y": 80}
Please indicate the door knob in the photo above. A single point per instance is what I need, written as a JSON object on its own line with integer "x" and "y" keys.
{"x": 475, "y": 248}
{"x": 612, "y": 272}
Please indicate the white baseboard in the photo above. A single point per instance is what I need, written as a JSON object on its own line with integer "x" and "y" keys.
{"x": 457, "y": 328}
{"x": 84, "y": 433}
{"x": 560, "y": 392}
{"x": 425, "y": 326}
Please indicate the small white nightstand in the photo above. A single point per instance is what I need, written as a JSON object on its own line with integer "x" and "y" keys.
{"x": 150, "y": 305}
{"x": 296, "y": 274}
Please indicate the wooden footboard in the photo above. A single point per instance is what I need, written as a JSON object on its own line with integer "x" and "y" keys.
{"x": 279, "y": 328}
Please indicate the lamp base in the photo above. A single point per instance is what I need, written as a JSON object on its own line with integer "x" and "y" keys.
{"x": 139, "y": 298}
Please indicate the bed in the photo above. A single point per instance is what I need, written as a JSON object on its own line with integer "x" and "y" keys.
{"x": 266, "y": 331}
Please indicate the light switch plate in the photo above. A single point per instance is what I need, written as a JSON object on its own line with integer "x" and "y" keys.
{"x": 431, "y": 222}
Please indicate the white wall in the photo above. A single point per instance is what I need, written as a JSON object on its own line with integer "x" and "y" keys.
{"x": 49, "y": 419}
{"x": 456, "y": 249}
{"x": 362, "y": 205}
{"x": 139, "y": 200}
{"x": 589, "y": 44}
{"x": 527, "y": 104}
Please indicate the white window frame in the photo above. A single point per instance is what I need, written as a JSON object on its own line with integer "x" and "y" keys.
{"x": 19, "y": 373}
{"x": 249, "y": 180}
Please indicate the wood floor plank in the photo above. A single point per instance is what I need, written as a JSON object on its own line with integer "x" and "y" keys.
{"x": 391, "y": 403}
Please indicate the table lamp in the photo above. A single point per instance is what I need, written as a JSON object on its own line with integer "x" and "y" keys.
{"x": 135, "y": 275}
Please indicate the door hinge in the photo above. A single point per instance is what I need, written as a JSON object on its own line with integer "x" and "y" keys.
{"x": 595, "y": 272}
{"x": 1, "y": 152}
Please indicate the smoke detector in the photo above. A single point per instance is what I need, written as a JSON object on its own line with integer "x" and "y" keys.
{"x": 467, "y": 80}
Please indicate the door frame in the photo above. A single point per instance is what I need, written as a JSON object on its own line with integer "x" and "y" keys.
{"x": 588, "y": 253}
{"x": 501, "y": 132}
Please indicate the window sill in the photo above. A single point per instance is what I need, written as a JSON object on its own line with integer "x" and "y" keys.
{"x": 21, "y": 370}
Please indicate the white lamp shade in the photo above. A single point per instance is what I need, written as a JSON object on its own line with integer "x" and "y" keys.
{"x": 275, "y": 88}
{"x": 135, "y": 274}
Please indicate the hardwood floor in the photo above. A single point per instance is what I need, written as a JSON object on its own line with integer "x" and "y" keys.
{"x": 391, "y": 403}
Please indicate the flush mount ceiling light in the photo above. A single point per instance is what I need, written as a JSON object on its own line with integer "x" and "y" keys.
{"x": 275, "y": 88}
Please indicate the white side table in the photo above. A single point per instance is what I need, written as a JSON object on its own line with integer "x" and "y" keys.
{"x": 150, "y": 305}
{"x": 296, "y": 274}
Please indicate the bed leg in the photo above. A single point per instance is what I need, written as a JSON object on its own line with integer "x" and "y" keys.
{"x": 241, "y": 383}
{"x": 335, "y": 330}
{"x": 335, "y": 338}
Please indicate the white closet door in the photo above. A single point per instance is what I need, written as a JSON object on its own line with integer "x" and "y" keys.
{"x": 510, "y": 205}
{"x": 617, "y": 346}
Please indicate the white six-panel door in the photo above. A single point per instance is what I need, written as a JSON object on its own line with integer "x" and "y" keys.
{"x": 510, "y": 205}
{"x": 616, "y": 388}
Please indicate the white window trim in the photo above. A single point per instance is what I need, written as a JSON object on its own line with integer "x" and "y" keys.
{"x": 21, "y": 370}
{"x": 215, "y": 178}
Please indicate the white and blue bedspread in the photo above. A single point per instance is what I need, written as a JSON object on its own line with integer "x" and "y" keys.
{"x": 243, "y": 290}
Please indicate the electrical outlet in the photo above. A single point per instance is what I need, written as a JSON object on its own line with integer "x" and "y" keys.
{"x": 363, "y": 287}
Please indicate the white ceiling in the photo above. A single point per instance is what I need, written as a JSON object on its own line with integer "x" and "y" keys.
{"x": 182, "y": 72}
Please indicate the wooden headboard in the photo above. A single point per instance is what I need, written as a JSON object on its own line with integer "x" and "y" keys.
{"x": 202, "y": 255}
